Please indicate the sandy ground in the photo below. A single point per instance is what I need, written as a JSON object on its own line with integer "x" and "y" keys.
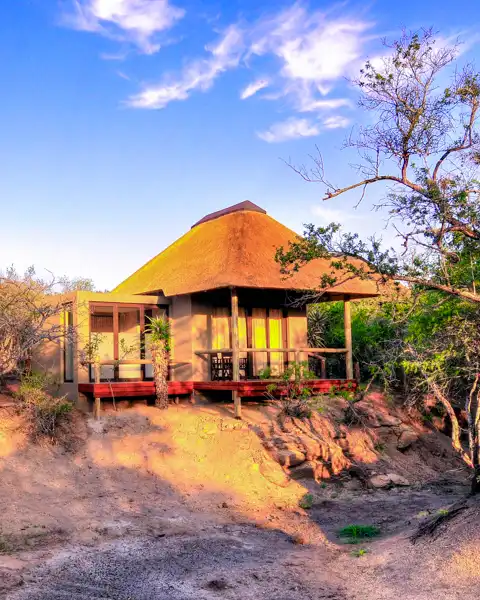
{"x": 187, "y": 504}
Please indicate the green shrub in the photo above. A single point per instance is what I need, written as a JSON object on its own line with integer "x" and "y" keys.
{"x": 292, "y": 388}
{"x": 43, "y": 411}
{"x": 352, "y": 534}
{"x": 359, "y": 553}
{"x": 306, "y": 502}
{"x": 5, "y": 546}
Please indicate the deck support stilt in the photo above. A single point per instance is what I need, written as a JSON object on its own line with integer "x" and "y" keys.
{"x": 237, "y": 405}
{"x": 97, "y": 407}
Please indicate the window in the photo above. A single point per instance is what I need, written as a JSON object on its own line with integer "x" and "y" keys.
{"x": 102, "y": 339}
{"x": 129, "y": 341}
{"x": 68, "y": 345}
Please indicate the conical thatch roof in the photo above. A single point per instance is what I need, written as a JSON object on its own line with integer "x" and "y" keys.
{"x": 233, "y": 247}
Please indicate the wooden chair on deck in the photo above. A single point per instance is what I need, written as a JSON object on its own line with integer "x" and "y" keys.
{"x": 222, "y": 367}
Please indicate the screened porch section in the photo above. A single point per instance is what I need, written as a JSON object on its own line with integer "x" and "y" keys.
{"x": 252, "y": 343}
{"x": 118, "y": 335}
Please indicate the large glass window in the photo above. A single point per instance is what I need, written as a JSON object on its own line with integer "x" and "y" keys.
{"x": 102, "y": 338}
{"x": 129, "y": 341}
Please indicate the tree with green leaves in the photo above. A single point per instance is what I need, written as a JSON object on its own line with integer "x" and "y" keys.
{"x": 422, "y": 146}
{"x": 423, "y": 143}
{"x": 159, "y": 341}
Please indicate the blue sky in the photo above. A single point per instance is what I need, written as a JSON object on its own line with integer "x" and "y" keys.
{"x": 125, "y": 121}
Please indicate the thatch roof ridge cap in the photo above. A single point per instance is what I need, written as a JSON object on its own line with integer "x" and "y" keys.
{"x": 245, "y": 206}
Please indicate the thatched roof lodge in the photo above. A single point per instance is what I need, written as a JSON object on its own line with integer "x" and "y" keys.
{"x": 230, "y": 309}
{"x": 234, "y": 247}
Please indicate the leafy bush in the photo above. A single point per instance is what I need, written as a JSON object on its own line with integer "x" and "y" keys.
{"x": 372, "y": 327}
{"x": 44, "y": 412}
{"x": 5, "y": 546}
{"x": 354, "y": 533}
{"x": 360, "y": 552}
{"x": 292, "y": 388}
{"x": 306, "y": 502}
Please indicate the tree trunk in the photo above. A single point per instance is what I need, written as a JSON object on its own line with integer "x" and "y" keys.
{"x": 452, "y": 416}
{"x": 475, "y": 486}
{"x": 160, "y": 374}
{"x": 472, "y": 408}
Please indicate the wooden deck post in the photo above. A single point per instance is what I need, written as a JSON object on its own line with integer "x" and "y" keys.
{"x": 323, "y": 362}
{"x": 348, "y": 336}
{"x": 97, "y": 408}
{"x": 356, "y": 370}
{"x": 237, "y": 401}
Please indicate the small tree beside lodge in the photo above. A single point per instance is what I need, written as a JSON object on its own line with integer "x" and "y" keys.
{"x": 29, "y": 311}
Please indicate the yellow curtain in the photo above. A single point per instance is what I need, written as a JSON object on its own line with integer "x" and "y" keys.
{"x": 259, "y": 339}
{"x": 220, "y": 328}
{"x": 276, "y": 340}
{"x": 242, "y": 331}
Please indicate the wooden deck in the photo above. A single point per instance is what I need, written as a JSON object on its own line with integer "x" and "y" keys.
{"x": 245, "y": 388}
{"x": 124, "y": 389}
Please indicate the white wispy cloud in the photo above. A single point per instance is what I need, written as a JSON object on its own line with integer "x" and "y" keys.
{"x": 309, "y": 53}
{"x": 253, "y": 88}
{"x": 198, "y": 74}
{"x": 134, "y": 21}
{"x": 315, "y": 105}
{"x": 290, "y": 129}
{"x": 315, "y": 51}
{"x": 325, "y": 215}
{"x": 295, "y": 127}
{"x": 336, "y": 122}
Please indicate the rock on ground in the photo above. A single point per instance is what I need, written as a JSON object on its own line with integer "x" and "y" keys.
{"x": 388, "y": 480}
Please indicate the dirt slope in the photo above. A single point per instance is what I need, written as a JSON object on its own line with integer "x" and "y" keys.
{"x": 189, "y": 503}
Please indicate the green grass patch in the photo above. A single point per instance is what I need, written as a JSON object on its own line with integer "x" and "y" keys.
{"x": 359, "y": 553}
{"x": 306, "y": 502}
{"x": 5, "y": 546}
{"x": 352, "y": 534}
{"x": 422, "y": 514}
